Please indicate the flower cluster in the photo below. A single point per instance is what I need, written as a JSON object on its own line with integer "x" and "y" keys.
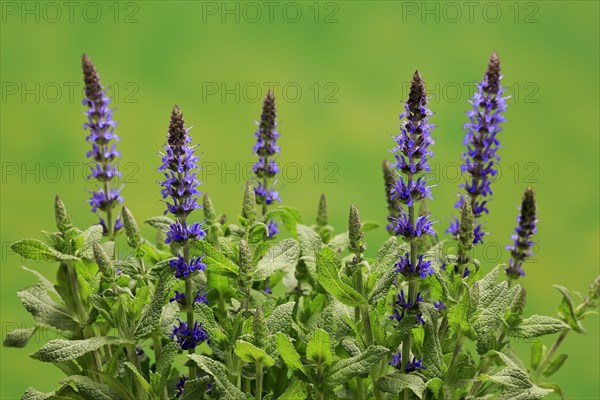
{"x": 189, "y": 338}
{"x": 404, "y": 304}
{"x": 480, "y": 157}
{"x": 520, "y": 250}
{"x": 103, "y": 153}
{"x": 411, "y": 365}
{"x": 180, "y": 188}
{"x": 266, "y": 168}
{"x": 421, "y": 269}
{"x": 412, "y": 153}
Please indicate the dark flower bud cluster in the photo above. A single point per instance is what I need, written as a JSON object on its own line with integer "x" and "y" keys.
{"x": 104, "y": 154}
{"x": 520, "y": 250}
{"x": 189, "y": 337}
{"x": 411, "y": 365}
{"x": 266, "y": 168}
{"x": 480, "y": 157}
{"x": 180, "y": 298}
{"x": 403, "y": 304}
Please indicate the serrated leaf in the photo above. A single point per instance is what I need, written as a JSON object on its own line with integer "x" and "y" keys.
{"x": 195, "y": 389}
{"x": 18, "y": 337}
{"x": 34, "y": 249}
{"x": 44, "y": 309}
{"x": 538, "y": 325}
{"x": 161, "y": 222}
{"x": 318, "y": 349}
{"x": 382, "y": 286}
{"x": 567, "y": 310}
{"x": 151, "y": 316}
{"x": 90, "y": 389}
{"x": 163, "y": 366}
{"x": 386, "y": 257}
{"x": 397, "y": 382}
{"x": 32, "y": 394}
{"x": 288, "y": 352}
{"x": 310, "y": 245}
{"x": 249, "y": 353}
{"x": 432, "y": 348}
{"x": 327, "y": 274}
{"x": 206, "y": 317}
{"x": 215, "y": 261}
{"x": 143, "y": 383}
{"x": 280, "y": 256}
{"x": 62, "y": 350}
{"x": 90, "y": 236}
{"x": 280, "y": 319}
{"x": 555, "y": 365}
{"x": 297, "y": 390}
{"x": 435, "y": 387}
{"x": 226, "y": 389}
{"x": 345, "y": 369}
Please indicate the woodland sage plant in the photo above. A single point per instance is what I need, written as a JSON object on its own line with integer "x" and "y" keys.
{"x": 268, "y": 306}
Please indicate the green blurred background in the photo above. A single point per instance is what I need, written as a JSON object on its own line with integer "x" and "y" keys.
{"x": 340, "y": 71}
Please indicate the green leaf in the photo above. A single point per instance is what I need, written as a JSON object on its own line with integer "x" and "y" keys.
{"x": 18, "y": 337}
{"x": 382, "y": 286}
{"x": 398, "y": 381}
{"x": 435, "y": 387}
{"x": 361, "y": 364}
{"x": 196, "y": 389}
{"x": 62, "y": 350}
{"x": 150, "y": 319}
{"x": 44, "y": 309}
{"x": 555, "y": 365}
{"x": 249, "y": 353}
{"x": 32, "y": 394}
{"x": 318, "y": 349}
{"x": 432, "y": 348}
{"x": 567, "y": 310}
{"x": 458, "y": 316}
{"x": 143, "y": 383}
{"x": 90, "y": 236}
{"x": 297, "y": 390}
{"x": 538, "y": 325}
{"x": 225, "y": 389}
{"x": 34, "y": 249}
{"x": 386, "y": 256}
{"x": 206, "y": 317}
{"x": 90, "y": 389}
{"x": 280, "y": 319}
{"x": 370, "y": 225}
{"x": 163, "y": 366}
{"x": 538, "y": 350}
{"x": 310, "y": 245}
{"x": 283, "y": 254}
{"x": 215, "y": 261}
{"x": 288, "y": 352}
{"x": 327, "y": 274}
{"x": 160, "y": 222}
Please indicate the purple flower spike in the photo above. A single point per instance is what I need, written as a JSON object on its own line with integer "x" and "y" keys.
{"x": 480, "y": 158}
{"x": 411, "y": 365}
{"x": 184, "y": 269}
{"x": 102, "y": 137}
{"x": 266, "y": 148}
{"x": 520, "y": 250}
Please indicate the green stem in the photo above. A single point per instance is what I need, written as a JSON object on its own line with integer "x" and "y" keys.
{"x": 259, "y": 381}
{"x": 133, "y": 358}
{"x": 454, "y": 359}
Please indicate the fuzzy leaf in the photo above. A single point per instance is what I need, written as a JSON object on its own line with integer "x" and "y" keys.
{"x": 555, "y": 365}
{"x": 386, "y": 257}
{"x": 18, "y": 337}
{"x": 62, "y": 350}
{"x": 161, "y": 222}
{"x": 32, "y": 394}
{"x": 90, "y": 236}
{"x": 288, "y": 352}
{"x": 538, "y": 325}
{"x": 327, "y": 274}
{"x": 280, "y": 256}
{"x": 225, "y": 389}
{"x": 537, "y": 352}
{"x": 34, "y": 249}
{"x": 249, "y": 353}
{"x": 215, "y": 261}
{"x": 310, "y": 245}
{"x": 382, "y": 286}
{"x": 143, "y": 383}
{"x": 89, "y": 389}
{"x": 163, "y": 366}
{"x": 297, "y": 390}
{"x": 397, "y": 382}
{"x": 280, "y": 319}
{"x": 44, "y": 309}
{"x": 567, "y": 310}
{"x": 348, "y": 368}
{"x": 206, "y": 317}
{"x": 150, "y": 319}
{"x": 432, "y": 349}
{"x": 318, "y": 349}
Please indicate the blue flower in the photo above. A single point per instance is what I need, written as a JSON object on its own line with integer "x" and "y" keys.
{"x": 404, "y": 305}
{"x": 181, "y": 299}
{"x": 184, "y": 269}
{"x": 480, "y": 158}
{"x": 189, "y": 338}
{"x": 180, "y": 386}
{"x": 406, "y": 268}
{"x": 411, "y": 366}
{"x": 273, "y": 229}
{"x": 182, "y": 233}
